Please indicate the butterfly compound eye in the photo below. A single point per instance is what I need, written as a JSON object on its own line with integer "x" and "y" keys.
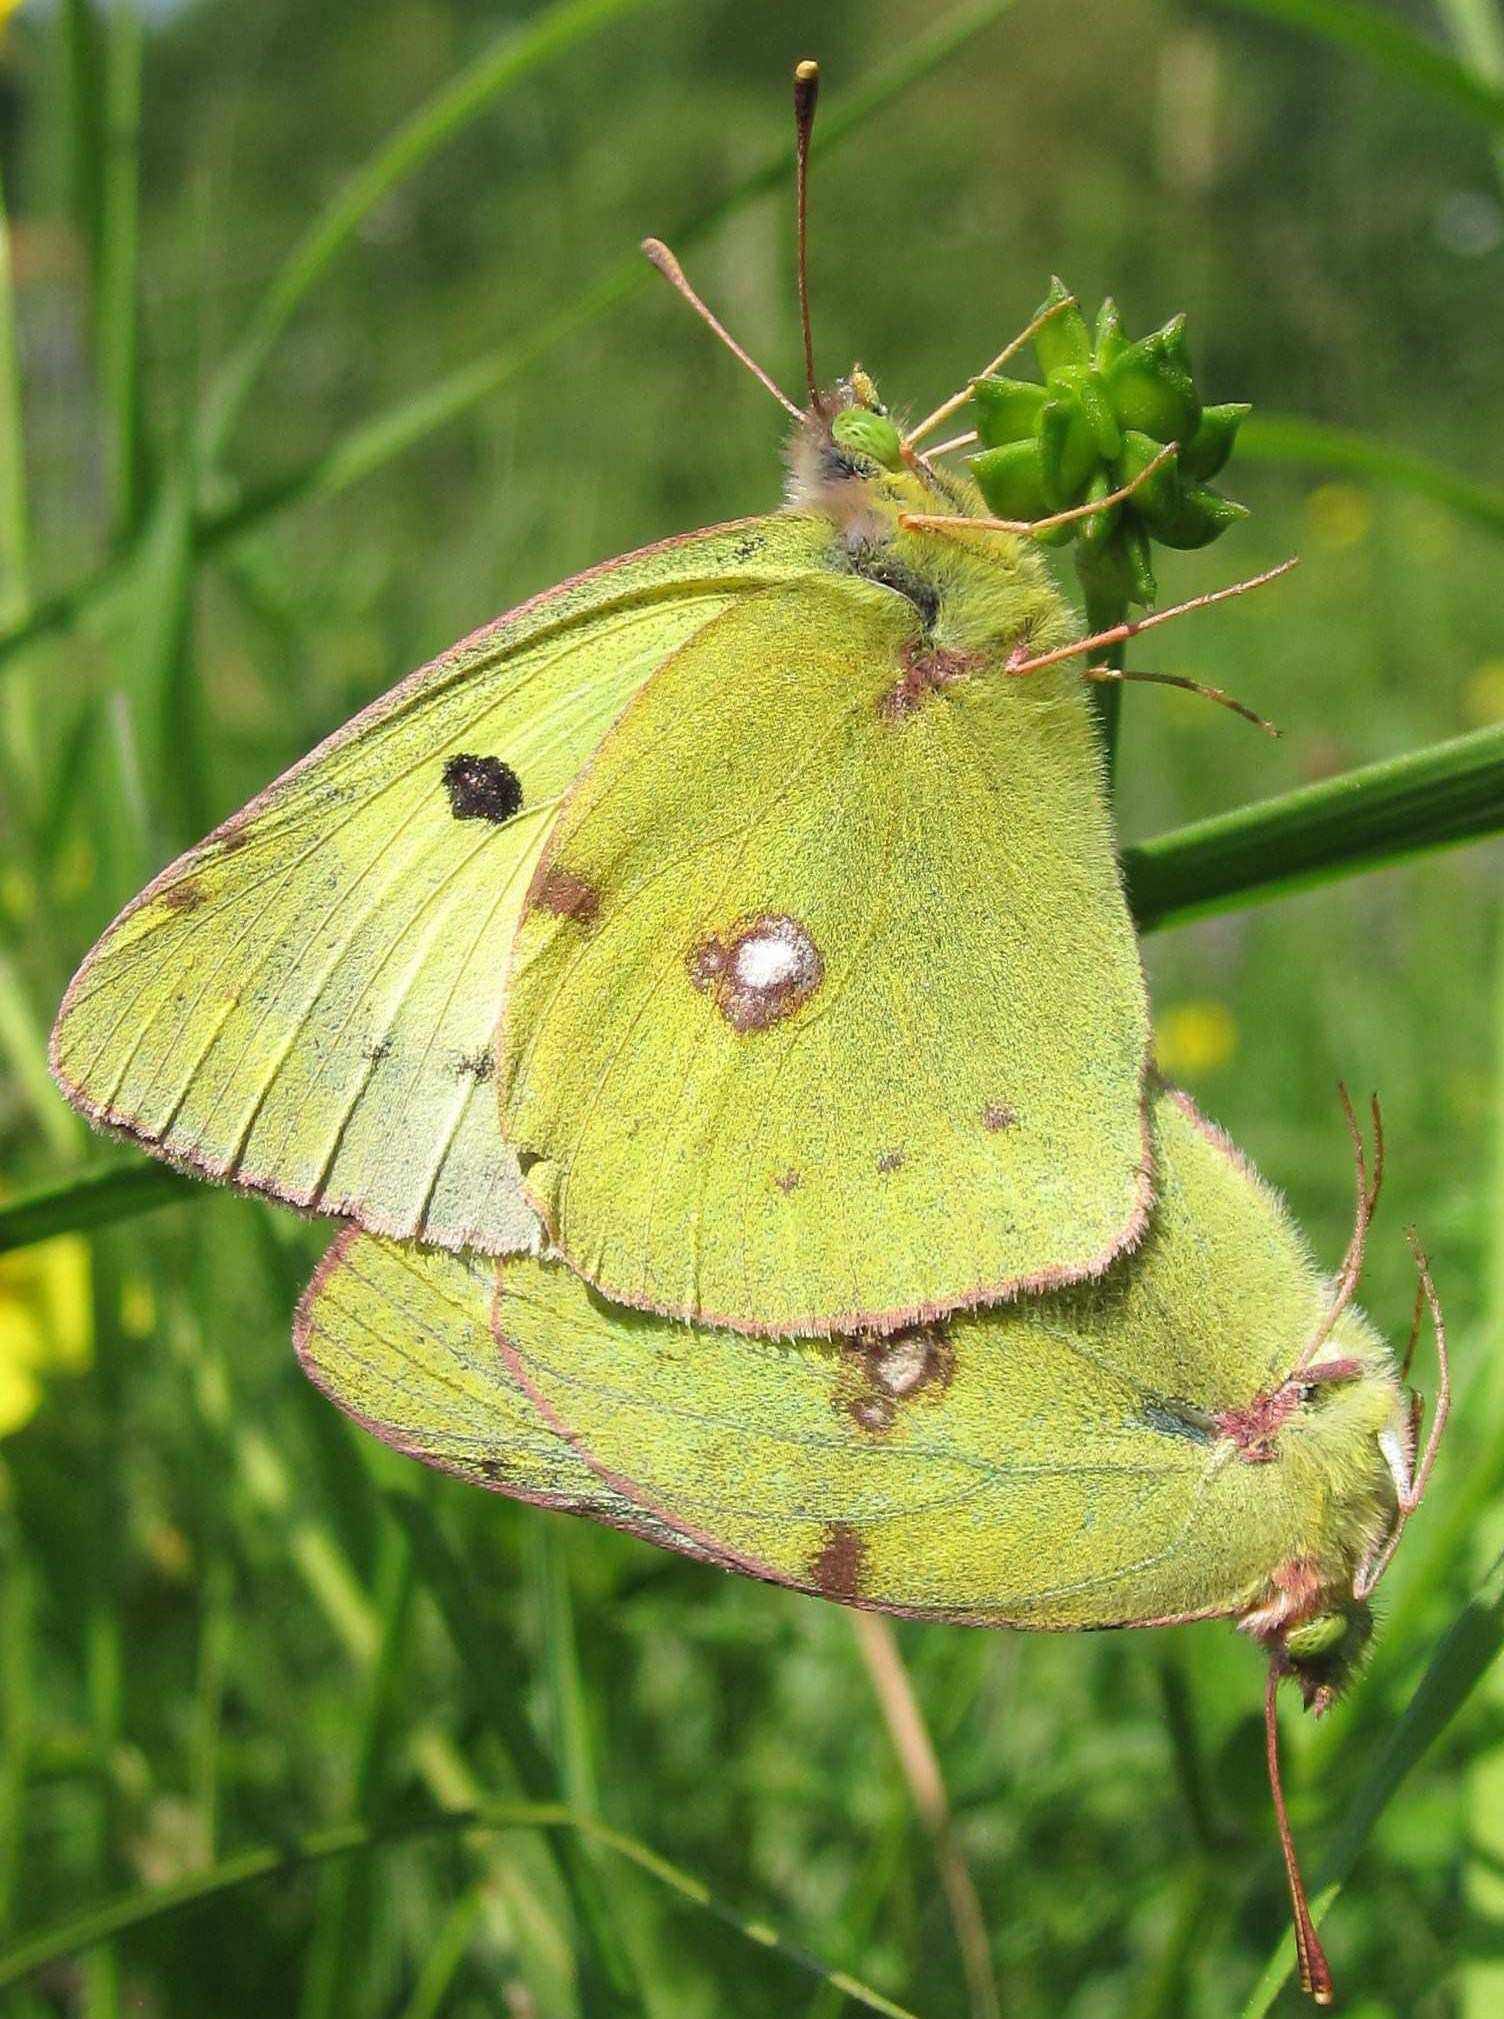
{"x": 868, "y": 434}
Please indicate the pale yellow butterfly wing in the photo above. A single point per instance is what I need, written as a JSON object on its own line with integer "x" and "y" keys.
{"x": 1065, "y": 1461}
{"x": 306, "y": 1003}
{"x": 827, "y": 1009}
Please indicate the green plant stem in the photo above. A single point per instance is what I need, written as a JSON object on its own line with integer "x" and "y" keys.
{"x": 142, "y": 1908}
{"x": 1287, "y": 438}
{"x": 1383, "y": 40}
{"x": 1365, "y": 819}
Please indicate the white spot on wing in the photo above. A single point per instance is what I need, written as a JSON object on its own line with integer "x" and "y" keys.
{"x": 769, "y": 959}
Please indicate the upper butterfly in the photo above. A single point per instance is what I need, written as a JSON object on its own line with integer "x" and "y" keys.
{"x": 730, "y": 908}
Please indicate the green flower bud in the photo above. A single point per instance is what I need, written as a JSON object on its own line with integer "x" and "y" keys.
{"x": 1067, "y": 451}
{"x": 1111, "y": 342}
{"x": 1107, "y": 410}
{"x": 1209, "y": 448}
{"x": 1065, "y": 339}
{"x": 1006, "y": 410}
{"x": 1011, "y": 481}
{"x": 1152, "y": 392}
{"x": 1203, "y": 516}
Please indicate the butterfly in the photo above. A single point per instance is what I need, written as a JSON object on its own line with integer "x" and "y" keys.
{"x": 741, "y": 919}
{"x": 1211, "y": 1429}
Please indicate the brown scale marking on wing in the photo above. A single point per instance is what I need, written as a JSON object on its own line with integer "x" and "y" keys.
{"x": 764, "y": 970}
{"x": 837, "y": 1567}
{"x": 882, "y": 1372}
{"x": 566, "y": 895}
{"x": 184, "y": 896}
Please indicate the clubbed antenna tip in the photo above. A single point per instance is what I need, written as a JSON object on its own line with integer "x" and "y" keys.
{"x": 806, "y": 97}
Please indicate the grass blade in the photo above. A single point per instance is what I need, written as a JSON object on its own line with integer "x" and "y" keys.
{"x": 1384, "y": 41}
{"x": 608, "y": 1977}
{"x": 1363, "y": 820}
{"x": 1477, "y": 31}
{"x": 140, "y": 1909}
{"x": 1286, "y": 438}
{"x": 894, "y": 1689}
{"x": 1472, "y": 1643}
{"x": 14, "y": 536}
{"x": 409, "y": 422}
{"x": 333, "y": 1969}
{"x": 24, "y": 1048}
{"x": 453, "y": 107}
{"x": 117, "y": 313}
{"x": 93, "y": 1199}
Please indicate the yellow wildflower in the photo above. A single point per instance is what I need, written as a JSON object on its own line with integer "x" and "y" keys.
{"x": 1338, "y": 515}
{"x": 1483, "y": 694}
{"x": 1195, "y": 1037}
{"x": 46, "y": 1324}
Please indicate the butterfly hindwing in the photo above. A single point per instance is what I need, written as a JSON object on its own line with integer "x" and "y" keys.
{"x": 307, "y": 1002}
{"x": 400, "y": 1337}
{"x": 1059, "y": 1462}
{"x": 826, "y": 1009}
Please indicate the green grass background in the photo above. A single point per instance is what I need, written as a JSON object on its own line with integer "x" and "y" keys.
{"x": 227, "y": 1619}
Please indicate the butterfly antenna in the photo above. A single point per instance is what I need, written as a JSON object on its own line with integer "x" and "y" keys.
{"x": 673, "y": 273}
{"x": 806, "y": 97}
{"x": 1410, "y": 1492}
{"x": 1021, "y": 664}
{"x": 1366, "y": 1189}
{"x": 1315, "y": 1972}
{"x": 947, "y": 407}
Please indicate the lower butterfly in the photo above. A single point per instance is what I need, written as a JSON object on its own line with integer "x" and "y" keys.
{"x": 1212, "y": 1430}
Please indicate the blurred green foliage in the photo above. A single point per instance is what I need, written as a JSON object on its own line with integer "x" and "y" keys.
{"x": 224, "y": 1618}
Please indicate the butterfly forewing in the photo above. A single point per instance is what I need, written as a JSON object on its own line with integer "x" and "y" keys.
{"x": 307, "y": 1002}
{"x": 826, "y": 1009}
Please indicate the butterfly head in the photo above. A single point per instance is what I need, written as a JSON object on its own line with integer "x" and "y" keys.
{"x": 860, "y": 426}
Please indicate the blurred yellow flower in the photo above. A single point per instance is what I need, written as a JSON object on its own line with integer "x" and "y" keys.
{"x": 1483, "y": 694}
{"x": 1195, "y": 1037}
{"x": 1338, "y": 515}
{"x": 46, "y": 1324}
{"x": 73, "y": 866}
{"x": 138, "y": 1308}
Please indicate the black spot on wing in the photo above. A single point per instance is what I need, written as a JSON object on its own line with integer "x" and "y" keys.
{"x": 482, "y": 788}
